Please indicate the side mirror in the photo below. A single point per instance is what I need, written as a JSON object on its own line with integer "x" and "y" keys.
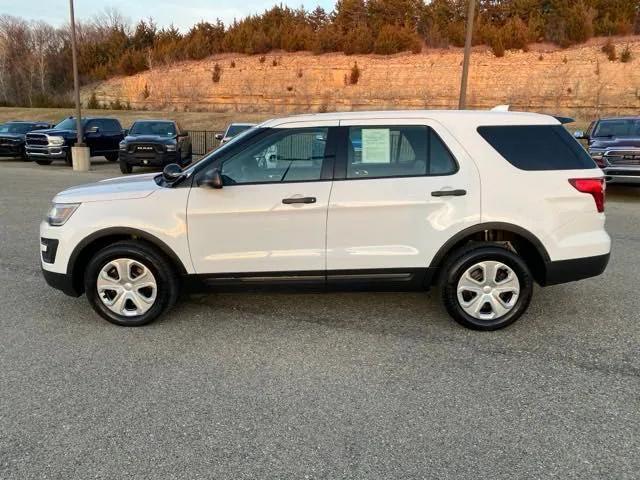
{"x": 171, "y": 173}
{"x": 579, "y": 134}
{"x": 219, "y": 136}
{"x": 125, "y": 131}
{"x": 213, "y": 179}
{"x": 93, "y": 130}
{"x": 183, "y": 134}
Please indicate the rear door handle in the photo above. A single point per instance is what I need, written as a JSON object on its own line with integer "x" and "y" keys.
{"x": 449, "y": 193}
{"x": 291, "y": 200}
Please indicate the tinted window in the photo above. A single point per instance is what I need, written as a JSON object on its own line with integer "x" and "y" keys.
{"x": 287, "y": 155}
{"x": 67, "y": 124}
{"x": 109, "y": 125}
{"x": 165, "y": 129}
{"x": 396, "y": 151}
{"x": 15, "y": 128}
{"x": 537, "y": 147}
{"x": 234, "y": 130}
{"x": 617, "y": 128}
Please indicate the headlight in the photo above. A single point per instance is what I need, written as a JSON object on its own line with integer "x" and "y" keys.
{"x": 171, "y": 148}
{"x": 123, "y": 146}
{"x": 56, "y": 141}
{"x": 60, "y": 213}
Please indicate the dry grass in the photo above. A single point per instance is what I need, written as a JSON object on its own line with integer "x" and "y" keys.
{"x": 189, "y": 120}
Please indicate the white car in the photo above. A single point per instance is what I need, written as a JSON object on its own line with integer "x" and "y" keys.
{"x": 481, "y": 204}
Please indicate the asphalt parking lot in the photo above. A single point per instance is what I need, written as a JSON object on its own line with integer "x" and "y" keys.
{"x": 349, "y": 385}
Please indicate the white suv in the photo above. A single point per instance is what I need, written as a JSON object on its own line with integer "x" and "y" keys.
{"x": 478, "y": 203}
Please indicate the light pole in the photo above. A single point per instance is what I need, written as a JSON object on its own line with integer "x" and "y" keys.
{"x": 462, "y": 103}
{"x": 79, "y": 153}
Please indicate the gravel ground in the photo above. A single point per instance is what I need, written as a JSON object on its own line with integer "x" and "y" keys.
{"x": 352, "y": 385}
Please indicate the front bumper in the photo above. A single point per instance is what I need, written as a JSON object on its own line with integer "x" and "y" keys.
{"x": 47, "y": 152}
{"x": 622, "y": 174}
{"x": 61, "y": 281}
{"x": 564, "y": 271}
{"x": 11, "y": 149}
{"x": 149, "y": 160}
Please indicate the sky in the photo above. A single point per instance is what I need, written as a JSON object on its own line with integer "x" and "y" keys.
{"x": 182, "y": 14}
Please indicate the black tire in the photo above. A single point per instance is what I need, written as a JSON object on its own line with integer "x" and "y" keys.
{"x": 40, "y": 161}
{"x": 125, "y": 167}
{"x": 67, "y": 158}
{"x": 24, "y": 156}
{"x": 462, "y": 260}
{"x": 167, "y": 280}
{"x": 111, "y": 157}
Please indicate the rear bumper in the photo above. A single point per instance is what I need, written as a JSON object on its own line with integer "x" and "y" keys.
{"x": 564, "y": 271}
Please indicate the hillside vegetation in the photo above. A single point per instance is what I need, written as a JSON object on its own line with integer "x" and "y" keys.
{"x": 35, "y": 58}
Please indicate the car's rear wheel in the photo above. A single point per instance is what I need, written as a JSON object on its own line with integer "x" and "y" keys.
{"x": 111, "y": 157}
{"x": 40, "y": 161}
{"x": 130, "y": 284}
{"x": 486, "y": 287}
{"x": 125, "y": 167}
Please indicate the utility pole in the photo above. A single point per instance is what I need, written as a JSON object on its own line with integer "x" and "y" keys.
{"x": 79, "y": 152}
{"x": 462, "y": 104}
{"x": 76, "y": 80}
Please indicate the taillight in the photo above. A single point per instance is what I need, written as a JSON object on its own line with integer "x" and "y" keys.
{"x": 593, "y": 186}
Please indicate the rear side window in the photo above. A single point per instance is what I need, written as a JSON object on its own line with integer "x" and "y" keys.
{"x": 397, "y": 151}
{"x": 537, "y": 147}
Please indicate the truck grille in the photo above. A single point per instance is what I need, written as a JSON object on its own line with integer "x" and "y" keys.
{"x": 145, "y": 148}
{"x": 623, "y": 157}
{"x": 37, "y": 139}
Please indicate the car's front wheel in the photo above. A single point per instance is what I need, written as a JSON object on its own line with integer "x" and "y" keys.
{"x": 130, "y": 284}
{"x": 40, "y": 161}
{"x": 486, "y": 287}
{"x": 125, "y": 167}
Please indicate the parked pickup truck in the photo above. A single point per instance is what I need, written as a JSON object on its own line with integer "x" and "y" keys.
{"x": 101, "y": 135}
{"x": 155, "y": 143}
{"x": 12, "y": 137}
{"x": 614, "y": 144}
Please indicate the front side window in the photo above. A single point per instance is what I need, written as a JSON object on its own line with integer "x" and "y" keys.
{"x": 286, "y": 155}
{"x": 397, "y": 151}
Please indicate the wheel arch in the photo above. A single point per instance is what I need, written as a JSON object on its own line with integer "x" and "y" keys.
{"x": 525, "y": 243}
{"x": 102, "y": 238}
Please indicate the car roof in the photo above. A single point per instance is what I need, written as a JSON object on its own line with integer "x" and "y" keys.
{"x": 451, "y": 117}
{"x": 241, "y": 124}
{"x": 620, "y": 118}
{"x": 26, "y": 121}
{"x": 154, "y": 120}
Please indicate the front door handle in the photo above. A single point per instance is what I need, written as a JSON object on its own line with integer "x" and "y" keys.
{"x": 448, "y": 193}
{"x": 288, "y": 201}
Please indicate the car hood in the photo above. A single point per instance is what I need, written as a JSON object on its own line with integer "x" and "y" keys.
{"x": 54, "y": 131}
{"x": 120, "y": 188}
{"x": 150, "y": 139}
{"x": 614, "y": 142}
{"x": 19, "y": 136}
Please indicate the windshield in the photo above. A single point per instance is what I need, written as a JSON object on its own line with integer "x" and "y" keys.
{"x": 234, "y": 130}
{"x": 67, "y": 124}
{"x": 222, "y": 148}
{"x": 164, "y": 129}
{"x": 618, "y": 128}
{"x": 15, "y": 128}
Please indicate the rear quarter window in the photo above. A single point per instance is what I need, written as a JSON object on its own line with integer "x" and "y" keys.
{"x": 537, "y": 147}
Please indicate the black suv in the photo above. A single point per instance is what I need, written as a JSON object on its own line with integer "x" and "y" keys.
{"x": 12, "y": 137}
{"x": 101, "y": 135}
{"x": 614, "y": 144}
{"x": 154, "y": 143}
